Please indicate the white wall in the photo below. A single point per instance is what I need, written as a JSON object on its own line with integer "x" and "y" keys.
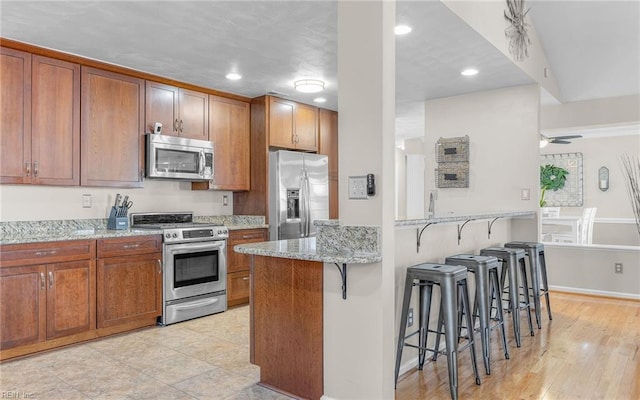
{"x": 35, "y": 202}
{"x": 602, "y": 152}
{"x": 608, "y": 111}
{"x": 503, "y": 129}
{"x": 503, "y": 132}
{"x": 359, "y": 331}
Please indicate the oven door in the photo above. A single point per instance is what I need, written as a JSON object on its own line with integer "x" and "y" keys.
{"x": 193, "y": 269}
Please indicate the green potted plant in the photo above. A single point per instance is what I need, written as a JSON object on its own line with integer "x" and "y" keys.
{"x": 551, "y": 178}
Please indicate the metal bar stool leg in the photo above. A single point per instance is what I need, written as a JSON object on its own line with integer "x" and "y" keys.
{"x": 513, "y": 297}
{"x": 448, "y": 303}
{"x": 472, "y": 348}
{"x": 438, "y": 330}
{"x": 408, "y": 286}
{"x": 482, "y": 297}
{"x": 426, "y": 289}
{"x": 543, "y": 271}
{"x": 525, "y": 286}
{"x": 497, "y": 288}
{"x": 534, "y": 270}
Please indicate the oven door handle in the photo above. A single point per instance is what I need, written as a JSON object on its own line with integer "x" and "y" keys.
{"x": 183, "y": 248}
{"x": 197, "y": 304}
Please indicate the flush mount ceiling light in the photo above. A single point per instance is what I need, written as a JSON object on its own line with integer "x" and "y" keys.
{"x": 319, "y": 99}
{"x": 309, "y": 85}
{"x": 402, "y": 29}
{"x": 233, "y": 76}
{"x": 469, "y": 72}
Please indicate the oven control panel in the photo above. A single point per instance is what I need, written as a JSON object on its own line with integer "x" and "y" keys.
{"x": 199, "y": 234}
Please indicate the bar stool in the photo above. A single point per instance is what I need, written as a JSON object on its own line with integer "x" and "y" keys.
{"x": 538, "y": 271}
{"x": 510, "y": 259}
{"x": 452, "y": 280}
{"x": 486, "y": 273}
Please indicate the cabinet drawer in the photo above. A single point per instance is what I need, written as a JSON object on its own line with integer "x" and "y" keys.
{"x": 238, "y": 287}
{"x": 41, "y": 253}
{"x": 241, "y": 262}
{"x": 131, "y": 245}
{"x": 247, "y": 236}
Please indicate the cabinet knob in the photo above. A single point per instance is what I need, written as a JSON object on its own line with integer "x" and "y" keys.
{"x": 27, "y": 165}
{"x": 35, "y": 169}
{"x": 41, "y": 280}
{"x": 50, "y": 279}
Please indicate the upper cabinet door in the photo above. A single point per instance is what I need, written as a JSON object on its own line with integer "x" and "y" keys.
{"x": 162, "y": 106}
{"x": 15, "y": 116}
{"x": 229, "y": 130}
{"x": 181, "y": 112}
{"x": 55, "y": 129}
{"x": 112, "y": 122}
{"x": 306, "y": 127}
{"x": 194, "y": 115}
{"x": 281, "y": 115}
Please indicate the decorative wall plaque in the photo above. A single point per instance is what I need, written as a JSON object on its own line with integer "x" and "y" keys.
{"x": 452, "y": 149}
{"x": 452, "y": 155}
{"x": 571, "y": 194}
{"x": 452, "y": 175}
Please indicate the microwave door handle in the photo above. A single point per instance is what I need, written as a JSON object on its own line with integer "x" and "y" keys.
{"x": 202, "y": 162}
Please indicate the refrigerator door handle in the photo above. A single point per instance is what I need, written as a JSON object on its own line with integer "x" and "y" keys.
{"x": 305, "y": 213}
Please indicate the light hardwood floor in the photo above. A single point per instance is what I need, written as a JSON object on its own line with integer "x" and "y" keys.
{"x": 591, "y": 350}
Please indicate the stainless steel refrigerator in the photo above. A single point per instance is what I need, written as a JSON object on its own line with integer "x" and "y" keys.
{"x": 298, "y": 193}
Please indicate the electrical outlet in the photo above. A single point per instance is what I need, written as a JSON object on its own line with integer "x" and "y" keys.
{"x": 618, "y": 268}
{"x": 86, "y": 201}
{"x": 225, "y": 200}
{"x": 358, "y": 187}
{"x": 410, "y": 318}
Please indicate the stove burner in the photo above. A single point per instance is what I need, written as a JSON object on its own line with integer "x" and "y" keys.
{"x": 179, "y": 227}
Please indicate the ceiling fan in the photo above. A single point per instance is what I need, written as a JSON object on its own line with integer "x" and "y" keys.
{"x": 545, "y": 140}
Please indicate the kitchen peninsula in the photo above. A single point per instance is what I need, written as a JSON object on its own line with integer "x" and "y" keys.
{"x": 287, "y": 302}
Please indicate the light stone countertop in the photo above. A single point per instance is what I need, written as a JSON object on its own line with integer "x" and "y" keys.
{"x": 462, "y": 217}
{"x": 18, "y": 232}
{"x": 305, "y": 249}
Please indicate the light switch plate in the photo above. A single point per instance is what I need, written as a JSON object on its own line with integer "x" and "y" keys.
{"x": 86, "y": 201}
{"x": 525, "y": 194}
{"x": 358, "y": 187}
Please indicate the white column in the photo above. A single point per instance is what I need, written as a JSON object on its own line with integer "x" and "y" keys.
{"x": 359, "y": 331}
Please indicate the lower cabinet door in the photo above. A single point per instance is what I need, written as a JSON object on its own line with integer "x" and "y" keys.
{"x": 129, "y": 289}
{"x": 238, "y": 288}
{"x": 70, "y": 298}
{"x": 22, "y": 306}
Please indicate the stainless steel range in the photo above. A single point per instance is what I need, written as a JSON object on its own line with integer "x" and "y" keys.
{"x": 195, "y": 264}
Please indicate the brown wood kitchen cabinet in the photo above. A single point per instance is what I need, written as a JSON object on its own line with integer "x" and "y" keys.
{"x": 328, "y": 127}
{"x": 47, "y": 295}
{"x": 182, "y": 112}
{"x": 229, "y": 130}
{"x": 112, "y": 122}
{"x": 239, "y": 265}
{"x": 292, "y": 125}
{"x": 129, "y": 282}
{"x": 41, "y": 123}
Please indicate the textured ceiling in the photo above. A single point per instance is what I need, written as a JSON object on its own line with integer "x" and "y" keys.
{"x": 273, "y": 43}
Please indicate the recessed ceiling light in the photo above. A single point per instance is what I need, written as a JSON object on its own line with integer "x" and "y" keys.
{"x": 469, "y": 72}
{"x": 319, "y": 99}
{"x": 309, "y": 85}
{"x": 402, "y": 29}
{"x": 233, "y": 76}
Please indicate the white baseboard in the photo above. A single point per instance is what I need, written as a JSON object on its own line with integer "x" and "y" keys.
{"x": 593, "y": 292}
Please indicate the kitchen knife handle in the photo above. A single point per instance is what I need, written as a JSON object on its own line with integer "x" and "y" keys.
{"x": 41, "y": 280}
{"x": 35, "y": 169}
{"x": 50, "y": 279}
{"x": 27, "y": 165}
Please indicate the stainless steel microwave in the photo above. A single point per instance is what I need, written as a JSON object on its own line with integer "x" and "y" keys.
{"x": 170, "y": 157}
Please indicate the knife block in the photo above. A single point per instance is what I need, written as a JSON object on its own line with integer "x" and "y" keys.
{"x": 117, "y": 222}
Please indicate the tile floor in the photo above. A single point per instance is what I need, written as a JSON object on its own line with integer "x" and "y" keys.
{"x": 205, "y": 358}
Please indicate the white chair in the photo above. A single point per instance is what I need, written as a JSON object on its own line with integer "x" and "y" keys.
{"x": 549, "y": 212}
{"x": 585, "y": 229}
